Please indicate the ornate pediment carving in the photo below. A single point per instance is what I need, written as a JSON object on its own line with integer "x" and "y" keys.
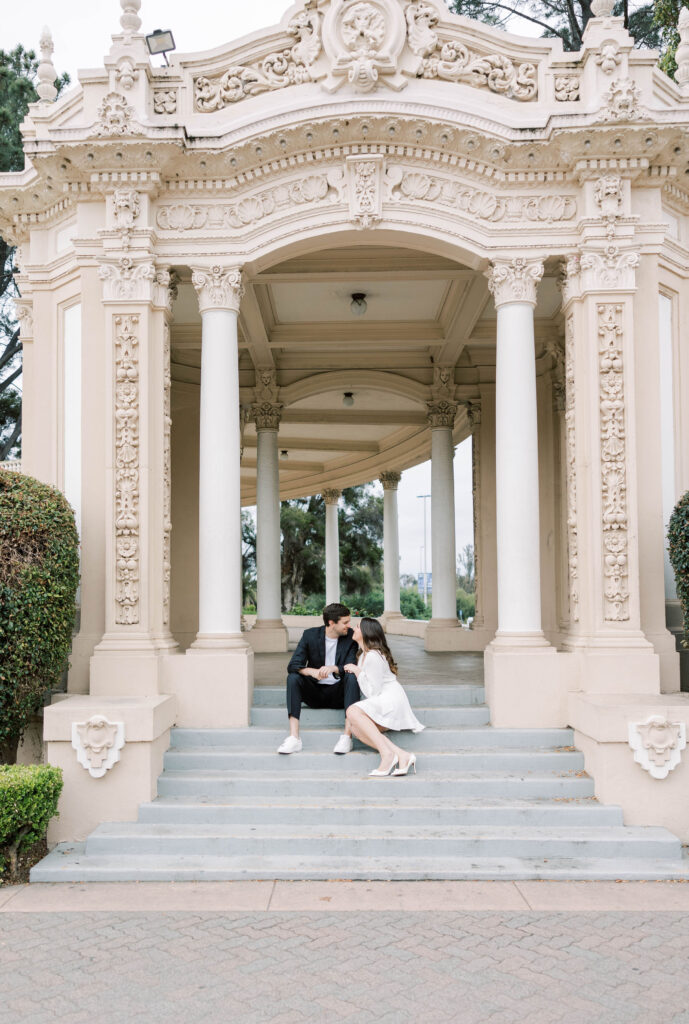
{"x": 369, "y": 44}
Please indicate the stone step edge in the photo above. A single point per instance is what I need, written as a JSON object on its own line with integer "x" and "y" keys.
{"x": 333, "y": 802}
{"x": 491, "y": 775}
{"x": 68, "y": 862}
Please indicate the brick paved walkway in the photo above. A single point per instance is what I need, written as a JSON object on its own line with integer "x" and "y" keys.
{"x": 388, "y": 966}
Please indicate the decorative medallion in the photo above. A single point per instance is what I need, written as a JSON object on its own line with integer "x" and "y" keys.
{"x": 657, "y": 744}
{"x": 364, "y": 41}
{"x": 98, "y": 743}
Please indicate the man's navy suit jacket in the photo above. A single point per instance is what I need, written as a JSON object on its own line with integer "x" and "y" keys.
{"x": 310, "y": 652}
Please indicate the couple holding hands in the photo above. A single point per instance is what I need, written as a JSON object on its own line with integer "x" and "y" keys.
{"x": 332, "y": 667}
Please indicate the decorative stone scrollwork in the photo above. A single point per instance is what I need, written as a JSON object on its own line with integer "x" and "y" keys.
{"x": 657, "y": 744}
{"x": 390, "y": 479}
{"x": 364, "y": 40}
{"x": 218, "y": 287}
{"x": 164, "y": 101}
{"x": 555, "y": 352}
{"x": 115, "y": 117}
{"x": 571, "y": 471}
{"x": 23, "y": 309}
{"x": 514, "y": 281}
{"x": 127, "y": 484}
{"x": 569, "y": 280}
{"x": 98, "y": 743}
{"x": 365, "y": 175}
{"x": 126, "y": 204}
{"x": 327, "y": 187}
{"x": 291, "y": 66}
{"x": 442, "y": 407}
{"x": 126, "y": 73}
{"x": 267, "y": 408}
{"x": 608, "y": 58}
{"x": 611, "y": 269}
{"x": 452, "y": 61}
{"x": 126, "y": 279}
{"x": 613, "y": 450}
{"x": 419, "y": 186}
{"x": 608, "y": 195}
{"x": 567, "y": 88}
{"x": 167, "y": 281}
{"x": 621, "y": 102}
{"x": 331, "y": 496}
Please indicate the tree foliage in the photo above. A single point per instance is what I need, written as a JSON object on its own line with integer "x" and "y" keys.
{"x": 678, "y": 546}
{"x": 666, "y": 15}
{"x": 28, "y": 800}
{"x": 18, "y": 75}
{"x": 39, "y": 574}
{"x": 563, "y": 19}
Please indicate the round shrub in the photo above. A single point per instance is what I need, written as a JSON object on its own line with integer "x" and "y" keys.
{"x": 39, "y": 575}
{"x": 28, "y": 800}
{"x": 678, "y": 537}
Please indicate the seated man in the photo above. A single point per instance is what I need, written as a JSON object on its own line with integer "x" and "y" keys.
{"x": 316, "y": 675}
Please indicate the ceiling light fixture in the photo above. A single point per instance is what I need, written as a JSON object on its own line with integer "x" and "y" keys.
{"x": 358, "y": 304}
{"x": 348, "y": 398}
{"x": 283, "y": 453}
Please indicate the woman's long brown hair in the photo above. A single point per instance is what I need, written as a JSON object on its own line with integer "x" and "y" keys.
{"x": 373, "y": 638}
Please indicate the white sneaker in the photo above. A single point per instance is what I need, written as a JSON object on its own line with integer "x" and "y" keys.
{"x": 343, "y": 745}
{"x": 291, "y": 745}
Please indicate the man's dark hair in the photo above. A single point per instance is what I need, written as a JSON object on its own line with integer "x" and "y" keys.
{"x": 335, "y": 612}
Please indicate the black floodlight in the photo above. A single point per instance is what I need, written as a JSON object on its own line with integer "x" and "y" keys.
{"x": 160, "y": 42}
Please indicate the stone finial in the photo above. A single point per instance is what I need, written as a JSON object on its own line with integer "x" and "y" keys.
{"x": 129, "y": 19}
{"x": 46, "y": 71}
{"x": 682, "y": 54}
{"x": 602, "y": 8}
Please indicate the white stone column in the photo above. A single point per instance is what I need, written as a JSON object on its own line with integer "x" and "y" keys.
{"x": 391, "y": 546}
{"x": 522, "y": 683}
{"x": 332, "y": 546}
{"x": 269, "y": 633}
{"x": 516, "y": 456}
{"x": 220, "y": 571}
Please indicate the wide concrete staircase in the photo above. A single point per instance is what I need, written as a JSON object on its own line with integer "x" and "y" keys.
{"x": 486, "y": 803}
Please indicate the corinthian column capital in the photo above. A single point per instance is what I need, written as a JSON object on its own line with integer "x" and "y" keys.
{"x": 218, "y": 287}
{"x": 331, "y": 496}
{"x": 514, "y": 280}
{"x": 390, "y": 479}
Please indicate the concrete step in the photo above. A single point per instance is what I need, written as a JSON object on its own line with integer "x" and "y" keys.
{"x": 324, "y": 718}
{"x": 232, "y": 741}
{"x": 69, "y": 863}
{"x": 522, "y": 759}
{"x": 151, "y": 839}
{"x": 400, "y": 810}
{"x": 324, "y": 785}
{"x": 420, "y": 695}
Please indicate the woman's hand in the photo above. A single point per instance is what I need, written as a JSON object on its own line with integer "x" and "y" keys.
{"x": 352, "y": 668}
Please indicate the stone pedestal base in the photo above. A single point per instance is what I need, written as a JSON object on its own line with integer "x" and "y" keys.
{"x": 86, "y": 801}
{"x": 455, "y": 639}
{"x": 213, "y": 686}
{"x": 527, "y": 686}
{"x": 268, "y": 636}
{"x": 623, "y": 669}
{"x": 388, "y": 619}
{"x": 601, "y": 723}
{"x": 124, "y": 667}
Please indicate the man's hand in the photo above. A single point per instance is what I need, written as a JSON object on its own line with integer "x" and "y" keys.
{"x": 327, "y": 670}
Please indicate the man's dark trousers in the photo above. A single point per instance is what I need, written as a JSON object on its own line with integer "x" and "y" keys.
{"x": 310, "y": 653}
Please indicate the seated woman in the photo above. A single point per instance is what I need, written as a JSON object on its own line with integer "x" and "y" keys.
{"x": 386, "y": 705}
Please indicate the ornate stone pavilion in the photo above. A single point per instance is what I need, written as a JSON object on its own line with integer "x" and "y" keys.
{"x": 195, "y": 241}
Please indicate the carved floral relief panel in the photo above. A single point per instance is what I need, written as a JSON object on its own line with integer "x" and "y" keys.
{"x": 127, "y": 468}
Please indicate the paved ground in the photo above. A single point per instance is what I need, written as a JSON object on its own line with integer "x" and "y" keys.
{"x": 389, "y": 953}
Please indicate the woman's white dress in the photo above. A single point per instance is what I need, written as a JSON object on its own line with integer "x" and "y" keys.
{"x": 386, "y": 702}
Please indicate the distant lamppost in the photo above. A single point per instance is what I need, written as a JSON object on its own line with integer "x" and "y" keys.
{"x": 425, "y": 574}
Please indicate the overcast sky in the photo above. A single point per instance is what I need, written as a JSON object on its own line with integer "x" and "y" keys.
{"x": 81, "y": 33}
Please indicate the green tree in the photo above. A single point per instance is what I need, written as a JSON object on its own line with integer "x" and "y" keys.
{"x": 18, "y": 76}
{"x": 563, "y": 19}
{"x": 466, "y": 569}
{"x": 248, "y": 560}
{"x": 666, "y": 15}
{"x": 302, "y": 522}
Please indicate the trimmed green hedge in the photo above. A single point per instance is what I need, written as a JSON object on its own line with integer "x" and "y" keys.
{"x": 678, "y": 537}
{"x": 28, "y": 800}
{"x": 39, "y": 575}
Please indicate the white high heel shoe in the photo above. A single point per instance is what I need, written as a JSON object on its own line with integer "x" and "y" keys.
{"x": 377, "y": 773}
{"x": 411, "y": 763}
